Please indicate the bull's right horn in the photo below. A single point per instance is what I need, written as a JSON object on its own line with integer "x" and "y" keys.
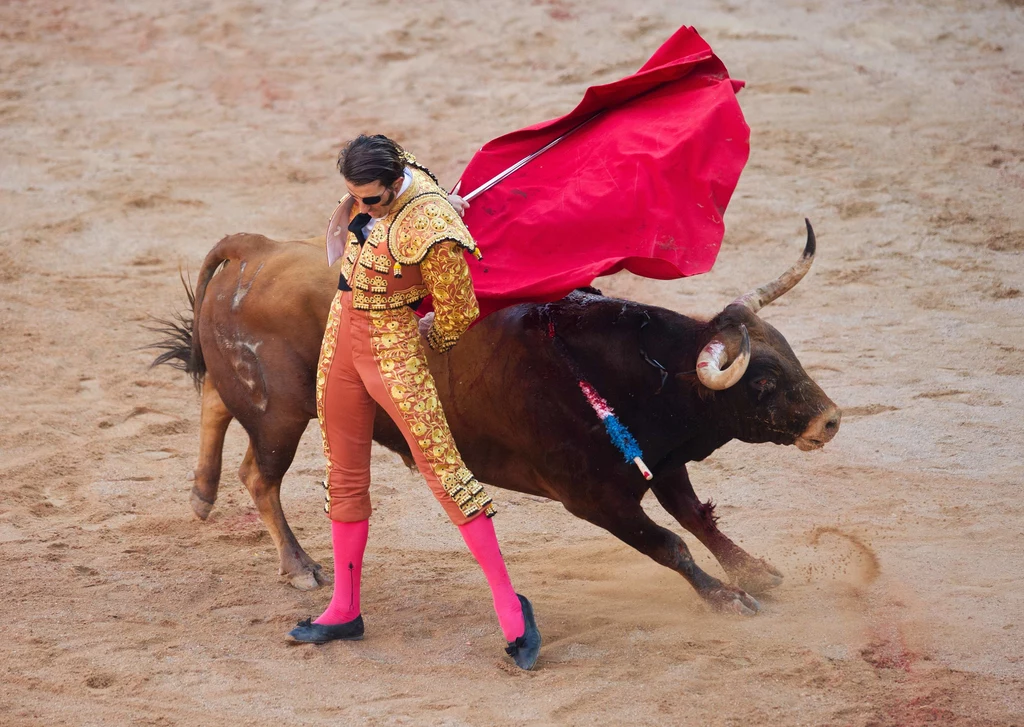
{"x": 713, "y": 357}
{"x": 758, "y": 298}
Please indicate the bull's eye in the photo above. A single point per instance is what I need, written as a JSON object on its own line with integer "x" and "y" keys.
{"x": 763, "y": 385}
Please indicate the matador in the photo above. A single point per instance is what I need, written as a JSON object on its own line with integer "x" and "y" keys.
{"x": 399, "y": 239}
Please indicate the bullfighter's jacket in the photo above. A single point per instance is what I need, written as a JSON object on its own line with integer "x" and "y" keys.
{"x": 414, "y": 251}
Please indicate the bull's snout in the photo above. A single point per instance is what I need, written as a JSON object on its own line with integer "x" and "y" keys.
{"x": 821, "y": 429}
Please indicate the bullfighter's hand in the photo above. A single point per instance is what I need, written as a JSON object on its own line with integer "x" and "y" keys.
{"x": 459, "y": 204}
{"x": 425, "y": 323}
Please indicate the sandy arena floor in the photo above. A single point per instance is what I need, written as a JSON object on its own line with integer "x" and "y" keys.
{"x": 134, "y": 135}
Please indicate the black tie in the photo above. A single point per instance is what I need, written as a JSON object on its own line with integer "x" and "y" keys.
{"x": 357, "y": 224}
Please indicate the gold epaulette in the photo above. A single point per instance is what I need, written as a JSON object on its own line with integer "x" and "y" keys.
{"x": 425, "y": 221}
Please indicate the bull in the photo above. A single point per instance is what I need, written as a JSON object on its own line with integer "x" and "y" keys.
{"x": 684, "y": 386}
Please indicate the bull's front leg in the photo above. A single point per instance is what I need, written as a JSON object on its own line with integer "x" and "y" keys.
{"x": 623, "y": 517}
{"x": 675, "y": 493}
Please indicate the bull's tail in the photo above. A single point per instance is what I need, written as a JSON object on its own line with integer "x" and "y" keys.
{"x": 177, "y": 345}
{"x": 182, "y": 348}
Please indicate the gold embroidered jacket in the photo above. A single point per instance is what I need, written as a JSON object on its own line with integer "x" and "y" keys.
{"x": 413, "y": 252}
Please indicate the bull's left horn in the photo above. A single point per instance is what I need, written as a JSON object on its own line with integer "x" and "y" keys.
{"x": 713, "y": 357}
{"x": 757, "y": 299}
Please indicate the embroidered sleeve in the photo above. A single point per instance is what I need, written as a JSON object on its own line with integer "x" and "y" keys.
{"x": 446, "y": 275}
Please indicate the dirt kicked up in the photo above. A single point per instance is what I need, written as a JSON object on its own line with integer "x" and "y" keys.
{"x": 135, "y": 136}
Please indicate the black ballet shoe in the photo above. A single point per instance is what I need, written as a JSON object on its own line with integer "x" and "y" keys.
{"x": 525, "y": 649}
{"x": 307, "y": 632}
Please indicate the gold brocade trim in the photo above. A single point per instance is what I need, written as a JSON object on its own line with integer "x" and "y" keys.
{"x": 330, "y": 342}
{"x": 422, "y": 223}
{"x": 378, "y": 234}
{"x": 380, "y": 263}
{"x": 402, "y": 362}
{"x": 362, "y": 300}
{"x": 467, "y": 492}
{"x": 360, "y": 280}
{"x": 348, "y": 261}
{"x": 439, "y": 341}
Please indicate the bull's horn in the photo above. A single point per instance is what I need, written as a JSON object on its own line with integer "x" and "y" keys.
{"x": 760, "y": 297}
{"x": 712, "y": 358}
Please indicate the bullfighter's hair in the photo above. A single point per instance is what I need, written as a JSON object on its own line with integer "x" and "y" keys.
{"x": 369, "y": 159}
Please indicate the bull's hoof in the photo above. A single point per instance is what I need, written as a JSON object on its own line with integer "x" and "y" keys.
{"x": 303, "y": 580}
{"x": 308, "y": 579}
{"x": 758, "y": 576}
{"x": 200, "y": 507}
{"x": 727, "y": 599}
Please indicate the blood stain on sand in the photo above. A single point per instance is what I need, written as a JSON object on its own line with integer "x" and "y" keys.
{"x": 887, "y": 648}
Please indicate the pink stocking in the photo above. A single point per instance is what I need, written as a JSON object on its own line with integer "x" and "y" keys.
{"x": 483, "y": 544}
{"x": 349, "y": 540}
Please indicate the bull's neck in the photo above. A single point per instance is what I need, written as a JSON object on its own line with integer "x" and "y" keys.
{"x": 683, "y": 424}
{"x": 668, "y": 413}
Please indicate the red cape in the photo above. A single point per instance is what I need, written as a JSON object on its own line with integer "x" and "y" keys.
{"x": 641, "y": 187}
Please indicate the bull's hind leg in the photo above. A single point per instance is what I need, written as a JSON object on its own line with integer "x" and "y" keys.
{"x": 623, "y": 517}
{"x": 676, "y": 495}
{"x": 261, "y": 472}
{"x": 213, "y": 424}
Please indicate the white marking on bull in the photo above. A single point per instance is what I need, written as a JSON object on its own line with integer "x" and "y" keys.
{"x": 252, "y": 346}
{"x": 244, "y": 359}
{"x": 243, "y": 287}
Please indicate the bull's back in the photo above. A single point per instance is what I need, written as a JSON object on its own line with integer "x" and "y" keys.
{"x": 271, "y": 286}
{"x": 261, "y": 322}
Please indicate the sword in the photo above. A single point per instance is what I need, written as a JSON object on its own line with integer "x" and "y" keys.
{"x": 519, "y": 164}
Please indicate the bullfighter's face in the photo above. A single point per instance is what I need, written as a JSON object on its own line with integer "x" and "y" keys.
{"x": 374, "y": 198}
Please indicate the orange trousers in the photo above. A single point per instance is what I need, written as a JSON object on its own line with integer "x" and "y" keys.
{"x": 376, "y": 358}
